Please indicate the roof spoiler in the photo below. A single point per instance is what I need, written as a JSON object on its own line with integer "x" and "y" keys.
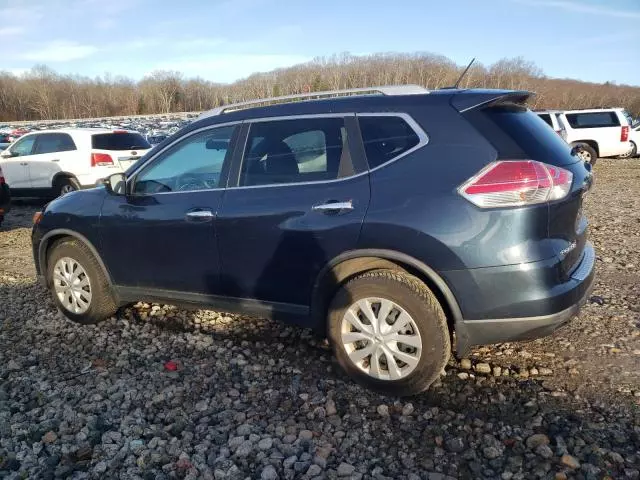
{"x": 470, "y": 99}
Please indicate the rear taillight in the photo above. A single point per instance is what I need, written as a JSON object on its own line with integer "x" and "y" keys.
{"x": 624, "y": 135}
{"x": 517, "y": 183}
{"x": 101, "y": 160}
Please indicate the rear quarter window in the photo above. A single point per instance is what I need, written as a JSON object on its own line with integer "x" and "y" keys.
{"x": 593, "y": 120}
{"x": 119, "y": 141}
{"x": 386, "y": 138}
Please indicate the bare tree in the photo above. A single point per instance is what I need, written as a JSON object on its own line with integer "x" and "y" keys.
{"x": 43, "y": 94}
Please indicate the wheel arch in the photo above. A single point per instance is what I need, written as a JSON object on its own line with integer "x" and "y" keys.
{"x": 356, "y": 262}
{"x": 592, "y": 143}
{"x": 53, "y": 236}
{"x": 60, "y": 175}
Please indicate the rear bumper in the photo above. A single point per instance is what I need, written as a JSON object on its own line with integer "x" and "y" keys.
{"x": 566, "y": 300}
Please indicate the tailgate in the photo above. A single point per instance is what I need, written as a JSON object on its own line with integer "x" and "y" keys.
{"x": 517, "y": 133}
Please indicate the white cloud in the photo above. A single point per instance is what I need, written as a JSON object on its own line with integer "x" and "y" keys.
{"x": 6, "y": 31}
{"x": 60, "y": 51}
{"x": 581, "y": 7}
{"x": 197, "y": 43}
{"x": 609, "y": 38}
{"x": 17, "y": 71}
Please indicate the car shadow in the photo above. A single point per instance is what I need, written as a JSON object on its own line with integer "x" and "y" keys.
{"x": 500, "y": 412}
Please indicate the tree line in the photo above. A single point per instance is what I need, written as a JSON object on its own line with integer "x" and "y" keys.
{"x": 43, "y": 94}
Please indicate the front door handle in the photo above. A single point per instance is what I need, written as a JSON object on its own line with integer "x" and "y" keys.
{"x": 200, "y": 215}
{"x": 55, "y": 160}
{"x": 24, "y": 164}
{"x": 332, "y": 207}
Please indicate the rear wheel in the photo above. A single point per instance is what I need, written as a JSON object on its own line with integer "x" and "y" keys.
{"x": 64, "y": 185}
{"x": 633, "y": 151}
{"x": 389, "y": 332}
{"x": 586, "y": 153}
{"x": 79, "y": 287}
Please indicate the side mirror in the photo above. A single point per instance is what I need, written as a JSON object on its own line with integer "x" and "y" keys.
{"x": 6, "y": 154}
{"x": 116, "y": 184}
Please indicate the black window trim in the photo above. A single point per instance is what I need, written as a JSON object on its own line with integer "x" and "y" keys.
{"x": 356, "y": 145}
{"x": 159, "y": 155}
{"x": 423, "y": 138}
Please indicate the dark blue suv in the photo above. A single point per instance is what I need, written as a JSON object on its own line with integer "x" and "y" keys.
{"x": 390, "y": 218}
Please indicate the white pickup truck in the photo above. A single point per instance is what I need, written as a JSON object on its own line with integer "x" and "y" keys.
{"x": 597, "y": 132}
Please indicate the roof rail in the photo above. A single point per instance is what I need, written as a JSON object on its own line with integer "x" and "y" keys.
{"x": 261, "y": 102}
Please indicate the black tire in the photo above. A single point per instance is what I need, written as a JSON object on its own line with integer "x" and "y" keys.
{"x": 587, "y": 150}
{"x": 65, "y": 185}
{"x": 633, "y": 152}
{"x": 102, "y": 303}
{"x": 420, "y": 303}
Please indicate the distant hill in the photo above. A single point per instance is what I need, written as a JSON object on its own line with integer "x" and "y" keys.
{"x": 44, "y": 94}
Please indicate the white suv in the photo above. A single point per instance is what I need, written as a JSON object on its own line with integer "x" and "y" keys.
{"x": 597, "y": 132}
{"x": 53, "y": 162}
{"x": 552, "y": 118}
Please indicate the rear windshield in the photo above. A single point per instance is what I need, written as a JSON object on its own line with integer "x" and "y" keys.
{"x": 593, "y": 120}
{"x": 119, "y": 141}
{"x": 517, "y": 133}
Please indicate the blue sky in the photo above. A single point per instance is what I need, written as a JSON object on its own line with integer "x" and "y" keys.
{"x": 223, "y": 40}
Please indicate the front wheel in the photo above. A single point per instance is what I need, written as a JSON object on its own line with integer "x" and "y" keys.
{"x": 79, "y": 287}
{"x": 389, "y": 332}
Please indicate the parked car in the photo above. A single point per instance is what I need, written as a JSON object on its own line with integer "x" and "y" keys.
{"x": 389, "y": 221}
{"x": 5, "y": 141}
{"x": 634, "y": 142}
{"x": 156, "y": 138}
{"x": 551, "y": 118}
{"x": 596, "y": 132}
{"x": 54, "y": 162}
{"x": 5, "y": 197}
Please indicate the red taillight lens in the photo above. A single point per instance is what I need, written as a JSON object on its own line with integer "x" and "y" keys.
{"x": 101, "y": 160}
{"x": 624, "y": 135}
{"x": 517, "y": 183}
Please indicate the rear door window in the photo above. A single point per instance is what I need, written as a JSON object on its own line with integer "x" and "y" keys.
{"x": 386, "y": 137}
{"x": 119, "y": 141}
{"x": 54, "y": 142}
{"x": 593, "y": 120}
{"x": 294, "y": 151}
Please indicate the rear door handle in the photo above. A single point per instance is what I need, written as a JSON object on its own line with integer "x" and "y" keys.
{"x": 24, "y": 164}
{"x": 55, "y": 160}
{"x": 200, "y": 216}
{"x": 333, "y": 206}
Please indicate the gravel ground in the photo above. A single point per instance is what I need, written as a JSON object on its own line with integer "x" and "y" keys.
{"x": 158, "y": 392}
